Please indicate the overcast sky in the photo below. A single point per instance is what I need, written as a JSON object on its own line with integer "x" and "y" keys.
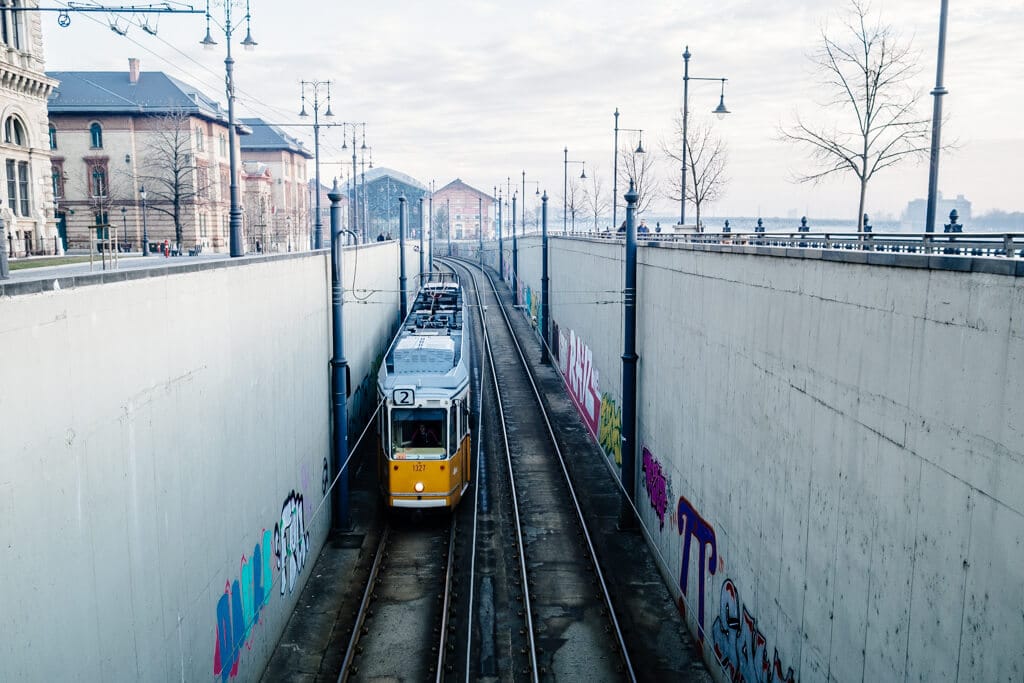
{"x": 482, "y": 90}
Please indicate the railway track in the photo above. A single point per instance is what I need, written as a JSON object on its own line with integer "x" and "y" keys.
{"x": 551, "y": 589}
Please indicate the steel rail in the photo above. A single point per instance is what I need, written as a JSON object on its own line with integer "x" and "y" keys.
{"x": 616, "y": 627}
{"x": 364, "y": 606}
{"x": 520, "y": 547}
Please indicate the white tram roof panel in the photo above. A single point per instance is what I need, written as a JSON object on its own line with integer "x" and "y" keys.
{"x": 421, "y": 354}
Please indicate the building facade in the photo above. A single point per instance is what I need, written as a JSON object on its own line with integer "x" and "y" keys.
{"x": 281, "y": 163}
{"x": 381, "y": 190}
{"x": 114, "y": 134}
{"x": 27, "y": 199}
{"x": 465, "y": 209}
{"x": 916, "y": 213}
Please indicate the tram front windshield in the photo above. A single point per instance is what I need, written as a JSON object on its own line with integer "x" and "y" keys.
{"x": 418, "y": 429}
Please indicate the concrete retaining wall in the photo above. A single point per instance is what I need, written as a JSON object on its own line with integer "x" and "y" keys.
{"x": 163, "y": 445}
{"x": 830, "y": 461}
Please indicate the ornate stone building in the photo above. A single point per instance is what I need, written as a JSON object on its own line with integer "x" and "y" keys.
{"x": 26, "y": 195}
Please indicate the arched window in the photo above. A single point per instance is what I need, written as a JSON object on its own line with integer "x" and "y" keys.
{"x": 53, "y": 136}
{"x": 14, "y": 132}
{"x": 96, "y": 136}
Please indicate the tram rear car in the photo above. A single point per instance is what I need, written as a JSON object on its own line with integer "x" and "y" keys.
{"x": 424, "y": 454}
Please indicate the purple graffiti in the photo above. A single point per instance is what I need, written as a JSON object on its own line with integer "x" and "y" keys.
{"x": 692, "y": 525}
{"x": 740, "y": 646}
{"x": 657, "y": 486}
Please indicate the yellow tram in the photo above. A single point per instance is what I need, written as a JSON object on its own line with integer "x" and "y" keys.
{"x": 423, "y": 383}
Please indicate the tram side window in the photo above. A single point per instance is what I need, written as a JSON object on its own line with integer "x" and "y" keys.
{"x": 418, "y": 429}
{"x": 453, "y": 426}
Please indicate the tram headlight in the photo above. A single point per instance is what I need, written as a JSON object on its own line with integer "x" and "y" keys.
{"x": 419, "y": 487}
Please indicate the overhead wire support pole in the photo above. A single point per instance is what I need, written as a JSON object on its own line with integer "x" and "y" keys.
{"x": 318, "y": 223}
{"x": 938, "y": 92}
{"x": 721, "y": 111}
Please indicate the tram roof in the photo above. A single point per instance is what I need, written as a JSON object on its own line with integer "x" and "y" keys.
{"x": 430, "y": 350}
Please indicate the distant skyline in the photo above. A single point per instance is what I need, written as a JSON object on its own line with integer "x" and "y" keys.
{"x": 485, "y": 90}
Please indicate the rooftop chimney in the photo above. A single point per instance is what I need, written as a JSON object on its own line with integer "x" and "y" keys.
{"x": 133, "y": 70}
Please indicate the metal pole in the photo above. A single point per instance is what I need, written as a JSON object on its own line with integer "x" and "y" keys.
{"x": 480, "y": 226}
{"x": 430, "y": 226}
{"x": 339, "y": 369}
{"x": 686, "y": 111}
{"x": 318, "y": 223}
{"x": 5, "y": 270}
{"x": 545, "y": 324}
{"x": 448, "y": 211}
{"x": 401, "y": 255}
{"x": 422, "y": 254}
{"x": 235, "y": 214}
{"x": 565, "y": 185}
{"x": 938, "y": 92}
{"x": 355, "y": 205}
{"x": 145, "y": 230}
{"x": 515, "y": 257}
{"x": 501, "y": 243}
{"x": 615, "y": 176}
{"x": 629, "y": 359}
{"x": 524, "y": 202}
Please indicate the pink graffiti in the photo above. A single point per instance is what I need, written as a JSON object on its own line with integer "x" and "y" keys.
{"x": 657, "y": 486}
{"x": 581, "y": 378}
{"x": 692, "y": 525}
{"x": 740, "y": 646}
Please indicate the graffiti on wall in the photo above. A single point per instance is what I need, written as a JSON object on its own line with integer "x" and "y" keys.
{"x": 238, "y": 609}
{"x": 692, "y": 526}
{"x": 740, "y": 646}
{"x": 609, "y": 433}
{"x": 657, "y": 486}
{"x": 291, "y": 540}
{"x": 737, "y": 642}
{"x": 581, "y": 377}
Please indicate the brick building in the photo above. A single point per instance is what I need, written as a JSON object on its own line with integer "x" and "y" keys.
{"x": 113, "y": 133}
{"x": 464, "y": 202}
{"x": 276, "y": 163}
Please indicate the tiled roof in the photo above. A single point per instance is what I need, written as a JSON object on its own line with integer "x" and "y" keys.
{"x": 457, "y": 184}
{"x": 111, "y": 92}
{"x": 266, "y": 136}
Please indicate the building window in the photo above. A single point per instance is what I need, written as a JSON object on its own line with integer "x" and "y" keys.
{"x": 11, "y": 21}
{"x": 14, "y": 131}
{"x": 12, "y": 184}
{"x": 202, "y": 225}
{"x": 223, "y": 145}
{"x": 57, "y": 177}
{"x": 96, "y": 136}
{"x": 53, "y": 136}
{"x": 199, "y": 139}
{"x": 202, "y": 182}
{"x": 98, "y": 183}
{"x": 23, "y": 188}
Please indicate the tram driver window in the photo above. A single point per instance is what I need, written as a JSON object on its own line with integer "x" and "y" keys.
{"x": 418, "y": 429}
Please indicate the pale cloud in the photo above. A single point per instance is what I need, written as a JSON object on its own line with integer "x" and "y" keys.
{"x": 483, "y": 90}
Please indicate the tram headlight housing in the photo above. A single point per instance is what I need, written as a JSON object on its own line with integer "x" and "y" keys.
{"x": 419, "y": 487}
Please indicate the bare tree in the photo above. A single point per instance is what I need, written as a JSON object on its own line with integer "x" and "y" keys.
{"x": 172, "y": 178}
{"x": 639, "y": 168}
{"x": 868, "y": 70}
{"x": 441, "y": 222}
{"x": 706, "y": 158}
{"x": 594, "y": 200}
{"x": 574, "y": 194}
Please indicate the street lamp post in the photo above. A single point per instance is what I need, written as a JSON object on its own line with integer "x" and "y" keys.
{"x": 401, "y": 257}
{"x": 145, "y": 230}
{"x": 565, "y": 184}
{"x": 938, "y": 92}
{"x": 545, "y": 325}
{"x": 430, "y": 227}
{"x": 448, "y": 214}
{"x": 235, "y": 214}
{"x": 515, "y": 256}
{"x": 501, "y": 248}
{"x": 318, "y": 223}
{"x": 480, "y": 226}
{"x": 422, "y": 255}
{"x": 124, "y": 225}
{"x": 615, "y": 166}
{"x": 353, "y": 197}
{"x": 720, "y": 111}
